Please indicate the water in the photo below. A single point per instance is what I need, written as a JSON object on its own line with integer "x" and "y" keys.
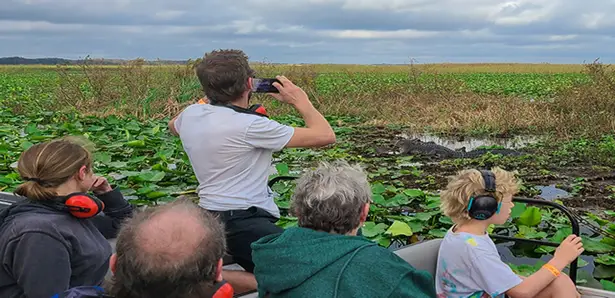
{"x": 584, "y": 273}
{"x": 552, "y": 193}
{"x": 472, "y": 143}
{"x": 412, "y": 164}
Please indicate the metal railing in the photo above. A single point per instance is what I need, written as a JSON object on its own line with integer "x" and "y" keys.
{"x": 573, "y": 221}
{"x": 280, "y": 178}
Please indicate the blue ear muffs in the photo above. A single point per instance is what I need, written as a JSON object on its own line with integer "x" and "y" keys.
{"x": 484, "y": 207}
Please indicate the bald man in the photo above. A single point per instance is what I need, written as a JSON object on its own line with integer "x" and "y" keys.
{"x": 174, "y": 250}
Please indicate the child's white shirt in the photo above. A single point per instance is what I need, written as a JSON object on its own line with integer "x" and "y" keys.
{"x": 470, "y": 266}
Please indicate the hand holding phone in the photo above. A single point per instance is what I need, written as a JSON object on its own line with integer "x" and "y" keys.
{"x": 262, "y": 85}
{"x": 289, "y": 92}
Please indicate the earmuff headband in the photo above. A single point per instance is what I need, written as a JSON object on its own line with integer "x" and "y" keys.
{"x": 78, "y": 204}
{"x": 485, "y": 206}
{"x": 489, "y": 179}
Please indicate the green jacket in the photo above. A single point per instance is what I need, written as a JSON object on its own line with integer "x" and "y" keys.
{"x": 305, "y": 263}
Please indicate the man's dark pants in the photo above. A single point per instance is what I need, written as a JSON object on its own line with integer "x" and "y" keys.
{"x": 244, "y": 227}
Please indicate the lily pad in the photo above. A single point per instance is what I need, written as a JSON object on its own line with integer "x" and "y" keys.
{"x": 378, "y": 188}
{"x": 414, "y": 193}
{"x": 399, "y": 228}
{"x": 517, "y": 210}
{"x": 602, "y": 271}
{"x": 608, "y": 260}
{"x": 530, "y": 217}
{"x": 596, "y": 246}
{"x": 371, "y": 229}
{"x": 608, "y": 285}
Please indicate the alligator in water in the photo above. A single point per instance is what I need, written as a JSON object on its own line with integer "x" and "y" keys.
{"x": 416, "y": 146}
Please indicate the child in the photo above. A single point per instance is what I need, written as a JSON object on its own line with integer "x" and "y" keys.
{"x": 468, "y": 262}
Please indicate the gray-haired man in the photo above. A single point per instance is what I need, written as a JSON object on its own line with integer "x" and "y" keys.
{"x": 323, "y": 257}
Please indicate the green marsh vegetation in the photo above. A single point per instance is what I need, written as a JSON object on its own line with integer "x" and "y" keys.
{"x": 565, "y": 110}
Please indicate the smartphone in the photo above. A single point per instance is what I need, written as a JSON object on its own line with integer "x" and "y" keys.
{"x": 264, "y": 85}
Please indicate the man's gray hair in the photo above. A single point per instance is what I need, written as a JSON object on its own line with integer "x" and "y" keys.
{"x": 331, "y": 197}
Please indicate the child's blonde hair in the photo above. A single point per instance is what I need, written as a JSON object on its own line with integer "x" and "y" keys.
{"x": 467, "y": 183}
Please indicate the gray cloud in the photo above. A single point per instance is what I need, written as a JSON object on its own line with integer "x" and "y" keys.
{"x": 314, "y": 31}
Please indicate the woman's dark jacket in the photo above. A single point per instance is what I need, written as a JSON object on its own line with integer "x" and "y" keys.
{"x": 44, "y": 251}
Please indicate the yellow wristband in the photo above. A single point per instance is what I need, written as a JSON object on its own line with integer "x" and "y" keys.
{"x": 552, "y": 269}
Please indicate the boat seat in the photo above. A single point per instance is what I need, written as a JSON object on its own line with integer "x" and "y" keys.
{"x": 594, "y": 293}
{"x": 227, "y": 260}
{"x": 422, "y": 255}
{"x": 8, "y": 199}
{"x": 249, "y": 295}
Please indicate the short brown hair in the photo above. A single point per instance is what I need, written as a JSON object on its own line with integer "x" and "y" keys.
{"x": 47, "y": 165}
{"x": 149, "y": 266}
{"x": 224, "y": 75}
{"x": 456, "y": 197}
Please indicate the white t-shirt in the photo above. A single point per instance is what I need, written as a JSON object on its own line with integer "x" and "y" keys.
{"x": 231, "y": 154}
{"x": 470, "y": 266}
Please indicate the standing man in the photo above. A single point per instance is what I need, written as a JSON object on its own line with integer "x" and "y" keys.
{"x": 230, "y": 149}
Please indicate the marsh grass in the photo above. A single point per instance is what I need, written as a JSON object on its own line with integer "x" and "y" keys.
{"x": 423, "y": 97}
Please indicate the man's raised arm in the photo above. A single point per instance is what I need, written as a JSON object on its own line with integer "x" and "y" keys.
{"x": 318, "y": 131}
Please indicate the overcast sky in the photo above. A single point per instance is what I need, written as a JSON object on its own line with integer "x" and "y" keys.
{"x": 314, "y": 31}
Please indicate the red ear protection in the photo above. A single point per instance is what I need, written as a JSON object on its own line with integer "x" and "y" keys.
{"x": 81, "y": 205}
{"x": 223, "y": 290}
{"x": 259, "y": 109}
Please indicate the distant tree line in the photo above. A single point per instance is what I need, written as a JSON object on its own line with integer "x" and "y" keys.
{"x": 61, "y": 61}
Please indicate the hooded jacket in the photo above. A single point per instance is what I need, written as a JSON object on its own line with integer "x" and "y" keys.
{"x": 44, "y": 251}
{"x": 221, "y": 290}
{"x": 302, "y": 262}
{"x": 83, "y": 292}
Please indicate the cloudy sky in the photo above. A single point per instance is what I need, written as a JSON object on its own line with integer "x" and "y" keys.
{"x": 314, "y": 31}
